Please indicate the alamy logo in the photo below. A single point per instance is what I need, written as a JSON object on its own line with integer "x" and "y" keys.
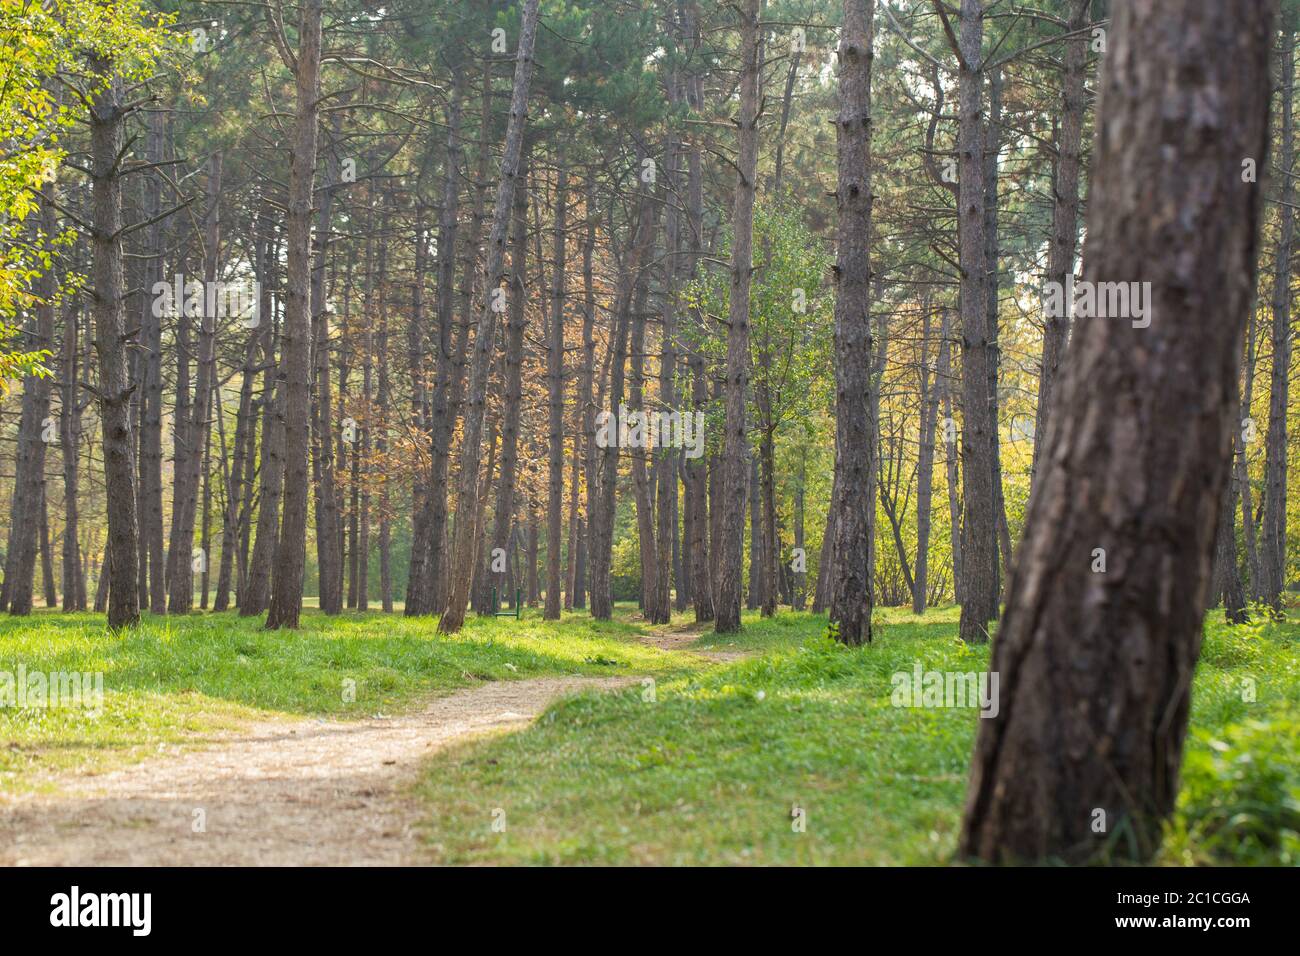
{"x": 209, "y": 300}
{"x": 638, "y": 429}
{"x": 103, "y": 909}
{"x": 57, "y": 689}
{"x": 922, "y": 688}
{"x": 1099, "y": 300}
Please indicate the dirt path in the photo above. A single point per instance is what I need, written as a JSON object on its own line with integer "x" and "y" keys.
{"x": 281, "y": 793}
{"x": 680, "y": 637}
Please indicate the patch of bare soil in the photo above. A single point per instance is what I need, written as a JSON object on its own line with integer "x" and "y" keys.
{"x": 680, "y": 637}
{"x": 280, "y": 793}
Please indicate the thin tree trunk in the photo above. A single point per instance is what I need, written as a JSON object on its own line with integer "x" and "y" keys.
{"x": 257, "y": 594}
{"x": 1243, "y": 471}
{"x": 943, "y": 375}
{"x": 47, "y": 555}
{"x": 656, "y": 610}
{"x": 329, "y": 557}
{"x": 1065, "y": 211}
{"x": 74, "y": 585}
{"x": 532, "y": 584}
{"x": 189, "y": 471}
{"x": 992, "y": 146}
{"x": 512, "y": 398}
{"x": 728, "y": 556}
{"x": 665, "y": 459}
{"x": 205, "y": 530}
{"x": 799, "y": 571}
{"x": 697, "y": 470}
{"x": 383, "y": 399}
{"x": 1273, "y": 528}
{"x": 929, "y": 388}
{"x": 555, "y": 376}
{"x": 587, "y": 403}
{"x": 754, "y": 597}
{"x": 28, "y": 509}
{"x": 235, "y": 513}
{"x": 150, "y": 480}
{"x": 1227, "y": 576}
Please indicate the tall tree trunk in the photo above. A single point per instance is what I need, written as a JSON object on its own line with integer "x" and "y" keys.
{"x": 555, "y": 381}
{"x": 150, "y": 481}
{"x": 295, "y": 340}
{"x": 362, "y": 459}
{"x": 943, "y": 375}
{"x": 329, "y": 556}
{"x": 1273, "y": 528}
{"x": 929, "y": 390}
{"x": 979, "y": 543}
{"x": 235, "y": 513}
{"x": 427, "y": 528}
{"x": 586, "y": 403}
{"x": 189, "y": 472}
{"x": 74, "y": 584}
{"x": 728, "y": 551}
{"x": 665, "y": 459}
{"x": 106, "y": 121}
{"x": 1065, "y": 210}
{"x": 471, "y": 281}
{"x": 853, "y": 505}
{"x": 28, "y": 508}
{"x": 1096, "y": 666}
{"x": 468, "y": 493}
{"x": 993, "y": 146}
{"x": 697, "y": 470}
{"x": 512, "y": 383}
{"x": 257, "y": 593}
{"x": 383, "y": 399}
{"x": 653, "y": 597}
{"x": 1242, "y": 471}
{"x": 770, "y": 551}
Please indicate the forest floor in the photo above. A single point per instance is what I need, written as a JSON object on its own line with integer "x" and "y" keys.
{"x": 799, "y": 754}
{"x": 280, "y": 793}
{"x": 217, "y": 742}
{"x": 360, "y": 740}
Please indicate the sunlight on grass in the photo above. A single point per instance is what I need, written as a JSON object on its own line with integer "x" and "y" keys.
{"x": 721, "y": 765}
{"x": 171, "y": 678}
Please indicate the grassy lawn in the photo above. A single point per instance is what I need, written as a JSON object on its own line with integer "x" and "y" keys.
{"x": 179, "y": 680}
{"x": 720, "y": 766}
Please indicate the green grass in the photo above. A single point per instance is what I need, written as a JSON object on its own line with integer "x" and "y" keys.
{"x": 181, "y": 680}
{"x": 712, "y": 769}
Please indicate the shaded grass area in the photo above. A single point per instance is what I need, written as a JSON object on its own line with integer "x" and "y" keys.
{"x": 175, "y": 680}
{"x": 723, "y": 766}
